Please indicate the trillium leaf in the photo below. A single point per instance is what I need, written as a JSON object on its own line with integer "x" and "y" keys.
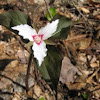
{"x": 85, "y": 96}
{"x": 13, "y": 18}
{"x": 51, "y": 66}
{"x": 63, "y": 27}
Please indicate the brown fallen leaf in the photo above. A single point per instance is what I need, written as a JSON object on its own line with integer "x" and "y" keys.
{"x": 95, "y": 64}
{"x": 79, "y": 85}
{"x": 84, "y": 44}
{"x": 84, "y": 10}
{"x": 68, "y": 71}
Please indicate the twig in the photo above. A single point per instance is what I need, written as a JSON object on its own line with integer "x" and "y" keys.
{"x": 48, "y": 9}
{"x": 28, "y": 70}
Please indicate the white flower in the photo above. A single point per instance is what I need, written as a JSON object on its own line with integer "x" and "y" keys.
{"x": 39, "y": 46}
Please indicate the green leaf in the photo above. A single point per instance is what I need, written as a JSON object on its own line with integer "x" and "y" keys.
{"x": 52, "y": 12}
{"x": 42, "y": 98}
{"x": 84, "y": 95}
{"x": 51, "y": 66}
{"x": 63, "y": 27}
{"x": 13, "y": 18}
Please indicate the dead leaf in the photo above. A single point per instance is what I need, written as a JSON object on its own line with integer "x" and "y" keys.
{"x": 68, "y": 71}
{"x": 84, "y": 10}
{"x": 79, "y": 85}
{"x": 84, "y": 44}
{"x": 93, "y": 65}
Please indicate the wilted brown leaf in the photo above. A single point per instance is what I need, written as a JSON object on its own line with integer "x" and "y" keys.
{"x": 68, "y": 71}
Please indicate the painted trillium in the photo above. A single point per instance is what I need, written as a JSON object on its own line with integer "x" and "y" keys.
{"x": 39, "y": 46}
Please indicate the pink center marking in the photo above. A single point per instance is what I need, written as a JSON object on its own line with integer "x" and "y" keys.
{"x": 38, "y": 38}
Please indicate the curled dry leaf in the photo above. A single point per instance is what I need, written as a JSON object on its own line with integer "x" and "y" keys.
{"x": 68, "y": 71}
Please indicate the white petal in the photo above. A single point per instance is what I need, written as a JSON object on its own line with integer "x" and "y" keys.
{"x": 49, "y": 29}
{"x": 39, "y": 51}
{"x": 25, "y": 31}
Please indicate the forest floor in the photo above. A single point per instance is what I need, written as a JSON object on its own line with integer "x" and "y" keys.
{"x": 80, "y": 72}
